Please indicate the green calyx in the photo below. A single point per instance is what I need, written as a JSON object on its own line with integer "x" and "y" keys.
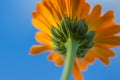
{"x": 74, "y": 30}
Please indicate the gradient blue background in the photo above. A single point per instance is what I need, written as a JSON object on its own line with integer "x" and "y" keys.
{"x": 17, "y": 36}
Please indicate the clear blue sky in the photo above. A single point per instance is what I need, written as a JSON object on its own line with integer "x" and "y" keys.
{"x": 17, "y": 36}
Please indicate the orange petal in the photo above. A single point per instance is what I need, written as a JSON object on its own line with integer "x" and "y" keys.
{"x": 90, "y": 58}
{"x": 36, "y": 49}
{"x": 104, "y": 21}
{"x": 57, "y": 58}
{"x": 103, "y": 58}
{"x": 62, "y": 6}
{"x": 74, "y": 7}
{"x": 55, "y": 10}
{"x": 80, "y": 9}
{"x": 59, "y": 62}
{"x": 41, "y": 18}
{"x": 56, "y": 6}
{"x": 105, "y": 51}
{"x": 54, "y": 56}
{"x": 43, "y": 38}
{"x": 76, "y": 72}
{"x": 95, "y": 14}
{"x": 43, "y": 10}
{"x": 40, "y": 25}
{"x": 85, "y": 11}
{"x": 112, "y": 40}
{"x": 45, "y": 0}
{"x": 103, "y": 45}
{"x": 67, "y": 7}
{"x": 82, "y": 64}
{"x": 114, "y": 29}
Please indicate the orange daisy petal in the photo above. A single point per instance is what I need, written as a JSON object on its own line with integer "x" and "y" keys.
{"x": 43, "y": 38}
{"x": 45, "y": 0}
{"x": 41, "y": 18}
{"x": 85, "y": 11}
{"x": 76, "y": 72}
{"x": 104, "y": 21}
{"x": 73, "y": 7}
{"x": 42, "y": 9}
{"x": 55, "y": 5}
{"x": 59, "y": 62}
{"x": 63, "y": 7}
{"x": 80, "y": 9}
{"x": 36, "y": 49}
{"x": 90, "y": 58}
{"x": 95, "y": 14}
{"x": 40, "y": 25}
{"x": 103, "y": 58}
{"x": 82, "y": 64}
{"x": 55, "y": 10}
{"x": 104, "y": 45}
{"x": 114, "y": 29}
{"x": 67, "y": 6}
{"x": 105, "y": 51}
{"x": 112, "y": 40}
{"x": 54, "y": 56}
{"x": 57, "y": 58}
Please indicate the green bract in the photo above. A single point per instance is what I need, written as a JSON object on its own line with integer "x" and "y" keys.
{"x": 74, "y": 30}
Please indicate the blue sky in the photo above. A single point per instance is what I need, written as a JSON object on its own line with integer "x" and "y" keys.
{"x": 17, "y": 36}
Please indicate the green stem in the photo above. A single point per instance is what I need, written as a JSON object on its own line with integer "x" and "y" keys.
{"x": 72, "y": 47}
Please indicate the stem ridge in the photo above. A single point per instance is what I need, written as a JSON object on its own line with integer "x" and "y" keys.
{"x": 71, "y": 46}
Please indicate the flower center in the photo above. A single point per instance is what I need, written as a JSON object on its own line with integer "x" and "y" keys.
{"x": 72, "y": 29}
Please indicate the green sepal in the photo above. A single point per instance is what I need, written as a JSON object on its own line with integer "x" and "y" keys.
{"x": 75, "y": 30}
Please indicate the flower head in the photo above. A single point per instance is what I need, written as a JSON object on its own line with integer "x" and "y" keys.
{"x": 59, "y": 20}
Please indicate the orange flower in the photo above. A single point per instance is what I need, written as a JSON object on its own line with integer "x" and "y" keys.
{"x": 50, "y": 13}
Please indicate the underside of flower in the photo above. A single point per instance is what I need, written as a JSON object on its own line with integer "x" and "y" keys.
{"x": 74, "y": 30}
{"x": 74, "y": 34}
